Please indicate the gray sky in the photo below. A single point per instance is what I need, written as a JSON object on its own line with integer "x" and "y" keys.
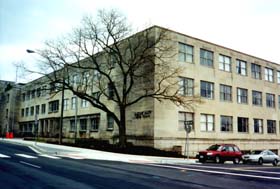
{"x": 250, "y": 26}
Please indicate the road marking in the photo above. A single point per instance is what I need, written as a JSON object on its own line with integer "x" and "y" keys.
{"x": 34, "y": 150}
{"x": 4, "y": 156}
{"x": 48, "y": 156}
{"x": 36, "y": 166}
{"x": 26, "y": 156}
{"x": 216, "y": 172}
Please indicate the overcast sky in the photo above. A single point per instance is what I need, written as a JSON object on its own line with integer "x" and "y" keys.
{"x": 250, "y": 26}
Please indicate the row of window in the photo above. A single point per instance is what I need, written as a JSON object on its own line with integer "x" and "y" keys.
{"x": 186, "y": 54}
{"x": 207, "y": 123}
{"x": 186, "y": 88}
{"x": 31, "y": 94}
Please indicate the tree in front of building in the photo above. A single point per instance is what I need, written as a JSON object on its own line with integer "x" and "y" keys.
{"x": 104, "y": 64}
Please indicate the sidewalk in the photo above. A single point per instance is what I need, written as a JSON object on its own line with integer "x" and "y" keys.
{"x": 82, "y": 153}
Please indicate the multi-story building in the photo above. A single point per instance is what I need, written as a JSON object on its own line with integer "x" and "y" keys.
{"x": 240, "y": 94}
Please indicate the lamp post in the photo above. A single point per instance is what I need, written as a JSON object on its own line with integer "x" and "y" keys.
{"x": 188, "y": 128}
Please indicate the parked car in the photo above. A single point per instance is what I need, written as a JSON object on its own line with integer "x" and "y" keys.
{"x": 220, "y": 153}
{"x": 261, "y": 156}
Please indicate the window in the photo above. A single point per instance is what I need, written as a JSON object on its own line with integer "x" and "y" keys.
{"x": 43, "y": 90}
{"x": 206, "y": 58}
{"x": 271, "y": 126}
{"x": 110, "y": 122}
{"x": 268, "y": 74}
{"x": 256, "y": 71}
{"x": 83, "y": 124}
{"x": 33, "y": 94}
{"x": 27, "y": 95}
{"x": 96, "y": 75}
{"x": 242, "y": 96}
{"x": 257, "y": 98}
{"x": 225, "y": 93}
{"x": 37, "y": 109}
{"x": 84, "y": 103}
{"x": 258, "y": 126}
{"x": 279, "y": 101}
{"x": 26, "y": 112}
{"x": 183, "y": 117}
{"x": 226, "y": 123}
{"x": 242, "y": 124}
{"x": 278, "y": 77}
{"x": 111, "y": 93}
{"x": 54, "y": 87}
{"x": 72, "y": 126}
{"x": 207, "y": 89}
{"x": 38, "y": 92}
{"x": 270, "y": 100}
{"x": 53, "y": 106}
{"x": 207, "y": 122}
{"x": 23, "y": 97}
{"x": 65, "y": 104}
{"x": 22, "y": 112}
{"x": 73, "y": 103}
{"x": 86, "y": 76}
{"x": 8, "y": 97}
{"x": 32, "y": 111}
{"x": 7, "y": 113}
{"x": 43, "y": 108}
{"x": 186, "y": 86}
{"x": 185, "y": 53}
{"x": 95, "y": 123}
{"x": 225, "y": 63}
{"x": 241, "y": 67}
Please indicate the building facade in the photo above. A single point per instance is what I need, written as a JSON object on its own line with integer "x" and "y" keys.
{"x": 240, "y": 104}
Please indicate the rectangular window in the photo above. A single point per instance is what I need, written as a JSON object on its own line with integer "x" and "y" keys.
{"x": 111, "y": 91}
{"x": 226, "y": 123}
{"x": 23, "y": 97}
{"x": 242, "y": 124}
{"x": 270, "y": 100}
{"x": 84, "y": 103}
{"x": 241, "y": 67}
{"x": 65, "y": 104}
{"x": 271, "y": 126}
{"x": 43, "y": 108}
{"x": 225, "y": 93}
{"x": 256, "y": 71}
{"x": 206, "y": 122}
{"x": 73, "y": 103}
{"x": 257, "y": 98}
{"x": 22, "y": 112}
{"x": 72, "y": 126}
{"x": 186, "y": 86}
{"x": 74, "y": 80}
{"x": 242, "y": 96}
{"x": 278, "y": 77}
{"x": 44, "y": 90}
{"x": 96, "y": 76}
{"x": 83, "y": 124}
{"x": 268, "y": 74}
{"x": 95, "y": 121}
{"x": 207, "y": 89}
{"x": 33, "y": 94}
{"x": 185, "y": 118}
{"x": 185, "y": 53}
{"x": 37, "y": 109}
{"x": 206, "y": 58}
{"x": 38, "y": 92}
{"x": 26, "y": 112}
{"x": 258, "y": 126}
{"x": 110, "y": 122}
{"x": 53, "y": 106}
{"x": 32, "y": 111}
{"x": 225, "y": 63}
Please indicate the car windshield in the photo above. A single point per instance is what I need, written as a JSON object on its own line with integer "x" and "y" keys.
{"x": 255, "y": 152}
{"x": 214, "y": 147}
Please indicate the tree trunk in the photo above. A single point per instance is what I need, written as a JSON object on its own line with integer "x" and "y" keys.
{"x": 122, "y": 128}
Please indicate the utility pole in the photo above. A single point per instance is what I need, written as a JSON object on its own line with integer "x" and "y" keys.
{"x": 62, "y": 110}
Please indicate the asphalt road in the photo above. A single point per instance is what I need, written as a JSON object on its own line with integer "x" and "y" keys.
{"x": 21, "y": 168}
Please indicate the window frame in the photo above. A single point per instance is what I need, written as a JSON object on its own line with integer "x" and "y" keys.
{"x": 185, "y": 116}
{"x": 271, "y": 129}
{"x": 183, "y": 53}
{"x": 186, "y": 86}
{"x": 268, "y": 74}
{"x": 209, "y": 90}
{"x": 254, "y": 99}
{"x": 257, "y": 126}
{"x": 241, "y": 95}
{"x": 206, "y": 56}
{"x": 229, "y": 126}
{"x": 240, "y": 68}
{"x": 244, "y": 127}
{"x": 225, "y": 93}
{"x": 256, "y": 71}
{"x": 207, "y": 122}
{"x": 270, "y": 103}
{"x": 223, "y": 64}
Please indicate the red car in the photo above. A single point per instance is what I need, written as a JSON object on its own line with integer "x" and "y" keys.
{"x": 220, "y": 153}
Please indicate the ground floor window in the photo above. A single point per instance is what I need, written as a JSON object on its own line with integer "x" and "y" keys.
{"x": 258, "y": 125}
{"x": 271, "y": 126}
{"x": 72, "y": 126}
{"x": 226, "y": 123}
{"x": 95, "y": 123}
{"x": 185, "y": 117}
{"x": 110, "y": 122}
{"x": 83, "y": 124}
{"x": 206, "y": 122}
{"x": 242, "y": 124}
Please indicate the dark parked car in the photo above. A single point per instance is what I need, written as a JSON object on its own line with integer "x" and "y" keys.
{"x": 220, "y": 153}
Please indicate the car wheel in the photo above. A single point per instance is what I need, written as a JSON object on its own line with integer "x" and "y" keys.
{"x": 236, "y": 160}
{"x": 260, "y": 161}
{"x": 275, "y": 162}
{"x": 218, "y": 159}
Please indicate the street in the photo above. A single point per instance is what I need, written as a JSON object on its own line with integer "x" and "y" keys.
{"x": 21, "y": 167}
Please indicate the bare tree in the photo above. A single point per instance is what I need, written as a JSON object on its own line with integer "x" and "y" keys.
{"x": 104, "y": 64}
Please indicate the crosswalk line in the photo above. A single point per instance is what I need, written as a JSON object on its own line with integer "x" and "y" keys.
{"x": 4, "y": 156}
{"x": 48, "y": 156}
{"x": 26, "y": 156}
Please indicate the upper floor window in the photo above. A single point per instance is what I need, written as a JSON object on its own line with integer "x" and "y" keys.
{"x": 43, "y": 108}
{"x": 225, "y": 93}
{"x": 22, "y": 112}
{"x": 271, "y": 126}
{"x": 206, "y": 122}
{"x": 84, "y": 103}
{"x": 268, "y": 74}
{"x": 206, "y": 58}
{"x": 224, "y": 63}
{"x": 32, "y": 111}
{"x": 278, "y": 77}
{"x": 226, "y": 123}
{"x": 243, "y": 124}
{"x": 33, "y": 93}
{"x": 26, "y": 112}
{"x": 185, "y": 53}
{"x": 242, "y": 96}
{"x": 23, "y": 97}
{"x": 111, "y": 91}
{"x": 65, "y": 104}
{"x": 186, "y": 86}
{"x": 95, "y": 123}
{"x": 241, "y": 67}
{"x": 279, "y": 101}
{"x": 270, "y": 100}
{"x": 256, "y": 71}
{"x": 110, "y": 122}
{"x": 53, "y": 106}
{"x": 73, "y": 103}
{"x": 207, "y": 89}
{"x": 37, "y": 110}
{"x": 257, "y": 98}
